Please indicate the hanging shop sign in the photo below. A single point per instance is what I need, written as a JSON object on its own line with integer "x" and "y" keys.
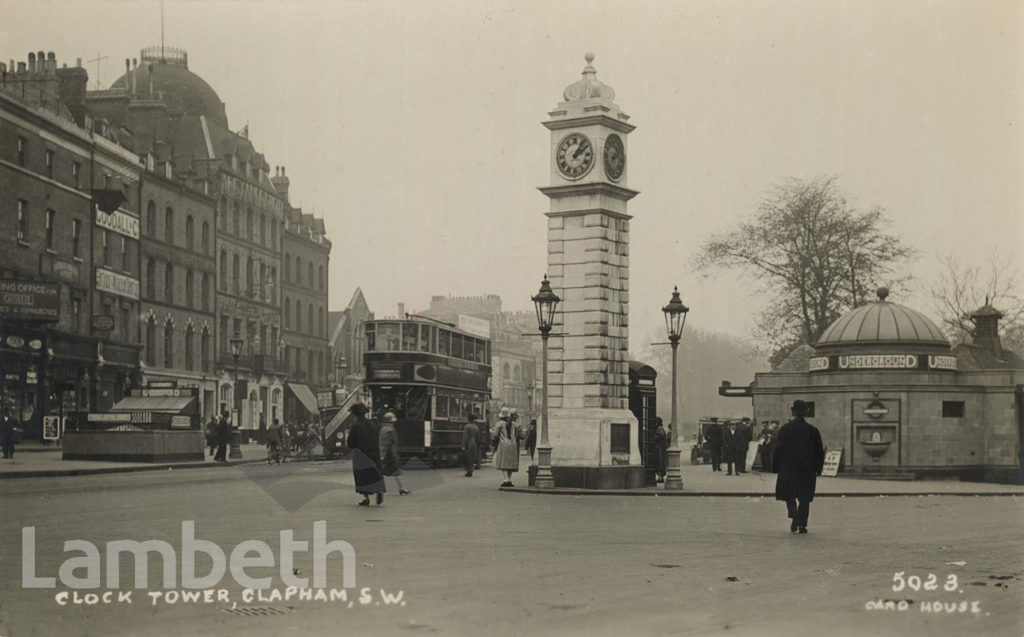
{"x": 119, "y": 284}
{"x": 28, "y": 300}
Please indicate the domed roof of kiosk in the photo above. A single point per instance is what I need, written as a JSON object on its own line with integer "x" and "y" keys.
{"x": 882, "y": 322}
{"x": 181, "y": 89}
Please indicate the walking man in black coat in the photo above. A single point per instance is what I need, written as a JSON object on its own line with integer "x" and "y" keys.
{"x": 7, "y": 433}
{"x": 799, "y": 459}
{"x": 223, "y": 437}
{"x": 470, "y": 445}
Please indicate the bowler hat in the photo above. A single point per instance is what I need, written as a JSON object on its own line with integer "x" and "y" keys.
{"x": 800, "y": 408}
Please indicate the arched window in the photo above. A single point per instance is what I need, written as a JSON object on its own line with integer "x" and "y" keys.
{"x": 250, "y": 279}
{"x": 169, "y": 284}
{"x": 309, "y": 278}
{"x": 204, "y": 302}
{"x": 204, "y": 350}
{"x": 320, "y": 277}
{"x": 287, "y": 266}
{"x": 309, "y": 319}
{"x": 151, "y": 219}
{"x": 151, "y": 342}
{"x": 151, "y": 277}
{"x": 273, "y": 234}
{"x": 287, "y": 313}
{"x": 323, "y": 331}
{"x": 298, "y": 316}
{"x": 261, "y": 286}
{"x": 223, "y": 278}
{"x": 168, "y": 344}
{"x": 298, "y": 269}
{"x": 206, "y": 237}
{"x": 236, "y": 273}
{"x": 263, "y": 228}
{"x": 248, "y": 223}
{"x": 236, "y": 219}
{"x": 190, "y": 233}
{"x": 169, "y": 225}
{"x": 189, "y": 348}
{"x": 189, "y": 288}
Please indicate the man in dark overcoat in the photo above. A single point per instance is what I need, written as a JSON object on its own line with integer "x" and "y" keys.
{"x": 7, "y": 426}
{"x": 713, "y": 436}
{"x": 364, "y": 441}
{"x": 799, "y": 459}
{"x": 470, "y": 445}
{"x": 223, "y": 437}
{"x": 731, "y": 440}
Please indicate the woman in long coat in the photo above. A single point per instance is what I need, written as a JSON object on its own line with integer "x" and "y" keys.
{"x": 506, "y": 455}
{"x": 364, "y": 441}
{"x": 389, "y": 451}
{"x": 659, "y": 448}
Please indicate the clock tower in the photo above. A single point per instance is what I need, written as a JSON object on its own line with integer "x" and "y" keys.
{"x": 592, "y": 432}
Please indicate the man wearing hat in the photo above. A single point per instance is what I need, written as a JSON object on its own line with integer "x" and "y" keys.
{"x": 364, "y": 441}
{"x": 470, "y": 445}
{"x": 388, "y": 444}
{"x": 799, "y": 459}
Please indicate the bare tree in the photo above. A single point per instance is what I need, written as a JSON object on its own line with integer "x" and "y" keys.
{"x": 961, "y": 289}
{"x": 815, "y": 255}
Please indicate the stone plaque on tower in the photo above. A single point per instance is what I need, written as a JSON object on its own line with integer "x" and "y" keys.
{"x": 588, "y": 264}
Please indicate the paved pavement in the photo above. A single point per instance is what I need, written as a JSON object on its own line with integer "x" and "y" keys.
{"x": 35, "y": 460}
{"x": 470, "y": 559}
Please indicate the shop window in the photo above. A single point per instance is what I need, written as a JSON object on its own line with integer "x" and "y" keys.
{"x": 952, "y": 409}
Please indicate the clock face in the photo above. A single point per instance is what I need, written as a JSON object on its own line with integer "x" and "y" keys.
{"x": 574, "y": 156}
{"x": 614, "y": 157}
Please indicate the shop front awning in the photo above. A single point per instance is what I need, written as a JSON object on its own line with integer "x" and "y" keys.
{"x": 164, "y": 404}
{"x": 305, "y": 396}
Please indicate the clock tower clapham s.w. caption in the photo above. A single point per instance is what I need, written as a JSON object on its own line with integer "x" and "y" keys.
{"x": 588, "y": 265}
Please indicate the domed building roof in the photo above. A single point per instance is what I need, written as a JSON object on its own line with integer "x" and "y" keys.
{"x": 882, "y": 322}
{"x": 164, "y": 70}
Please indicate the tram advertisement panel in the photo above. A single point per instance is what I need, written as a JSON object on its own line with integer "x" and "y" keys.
{"x": 433, "y": 373}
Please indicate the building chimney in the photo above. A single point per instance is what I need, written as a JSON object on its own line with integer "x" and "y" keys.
{"x": 280, "y": 182}
{"x": 51, "y": 62}
{"x": 401, "y": 311}
{"x": 31, "y": 62}
{"x": 986, "y": 329}
{"x": 71, "y": 85}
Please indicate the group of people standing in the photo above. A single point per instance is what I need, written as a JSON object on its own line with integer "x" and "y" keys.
{"x": 218, "y": 436}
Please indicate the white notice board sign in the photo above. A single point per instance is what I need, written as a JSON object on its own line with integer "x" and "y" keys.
{"x": 832, "y": 459}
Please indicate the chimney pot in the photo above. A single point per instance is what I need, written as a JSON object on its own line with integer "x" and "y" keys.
{"x": 21, "y": 67}
{"x": 31, "y": 62}
{"x": 78, "y": 63}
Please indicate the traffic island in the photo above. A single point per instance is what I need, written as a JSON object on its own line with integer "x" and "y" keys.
{"x": 134, "y": 446}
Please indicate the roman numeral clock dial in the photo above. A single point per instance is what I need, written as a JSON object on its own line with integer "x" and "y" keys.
{"x": 575, "y": 156}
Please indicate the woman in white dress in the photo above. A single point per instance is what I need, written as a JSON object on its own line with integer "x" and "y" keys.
{"x": 506, "y": 441}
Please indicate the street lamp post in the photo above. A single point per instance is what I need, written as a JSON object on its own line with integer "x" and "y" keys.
{"x": 236, "y": 435}
{"x": 675, "y": 319}
{"x": 545, "y": 303}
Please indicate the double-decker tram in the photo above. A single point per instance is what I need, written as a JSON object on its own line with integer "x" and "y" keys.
{"x": 432, "y": 376}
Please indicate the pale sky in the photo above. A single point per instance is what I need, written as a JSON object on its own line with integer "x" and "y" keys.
{"x": 414, "y": 128}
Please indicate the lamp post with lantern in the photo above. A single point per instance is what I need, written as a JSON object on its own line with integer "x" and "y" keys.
{"x": 545, "y": 303}
{"x": 675, "y": 319}
{"x": 236, "y": 435}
